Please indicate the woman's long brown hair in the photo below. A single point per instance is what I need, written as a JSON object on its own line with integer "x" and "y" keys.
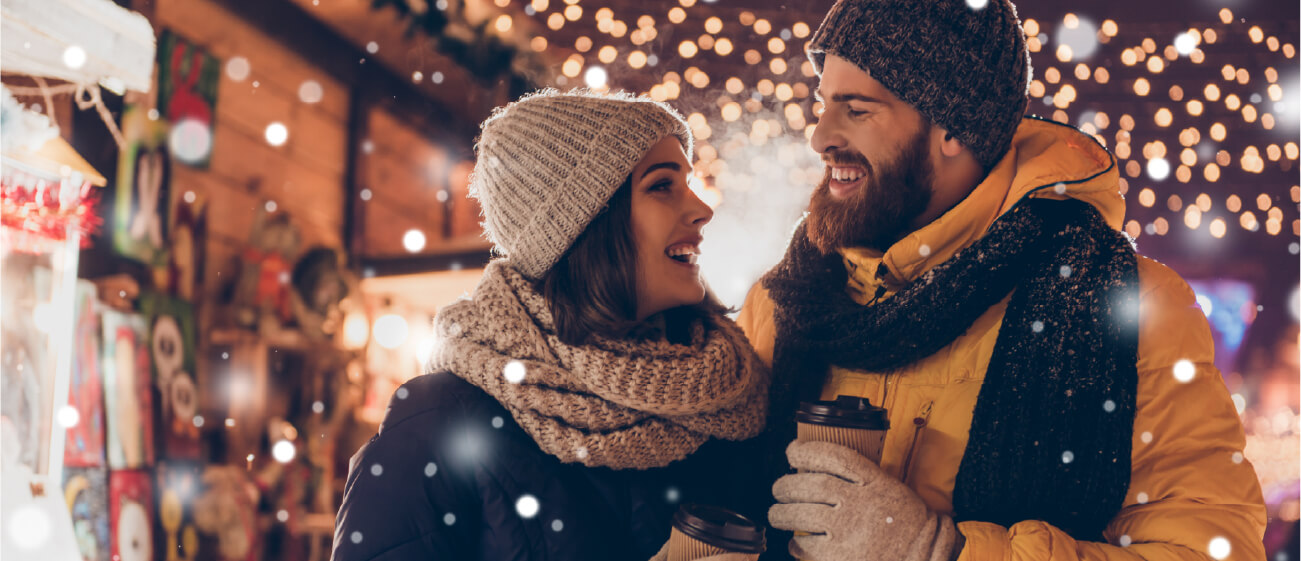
{"x": 593, "y": 287}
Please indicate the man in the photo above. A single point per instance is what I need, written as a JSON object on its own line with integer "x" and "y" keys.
{"x": 1051, "y": 395}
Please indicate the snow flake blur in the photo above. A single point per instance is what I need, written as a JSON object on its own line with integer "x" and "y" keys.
{"x": 527, "y": 506}
{"x": 514, "y": 371}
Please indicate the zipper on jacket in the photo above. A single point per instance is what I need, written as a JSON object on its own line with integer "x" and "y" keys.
{"x": 919, "y": 423}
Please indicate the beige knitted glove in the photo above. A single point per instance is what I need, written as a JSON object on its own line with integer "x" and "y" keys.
{"x": 853, "y": 511}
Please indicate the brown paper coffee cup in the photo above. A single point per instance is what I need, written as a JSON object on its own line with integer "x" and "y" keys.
{"x": 701, "y": 531}
{"x": 867, "y": 442}
{"x": 849, "y": 421}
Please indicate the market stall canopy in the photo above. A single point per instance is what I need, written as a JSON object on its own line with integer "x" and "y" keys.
{"x": 80, "y": 41}
{"x": 56, "y": 158}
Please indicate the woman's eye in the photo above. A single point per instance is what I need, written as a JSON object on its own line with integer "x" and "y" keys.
{"x": 662, "y": 185}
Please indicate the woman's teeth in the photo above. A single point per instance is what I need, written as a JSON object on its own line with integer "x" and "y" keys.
{"x": 683, "y": 254}
{"x": 846, "y": 174}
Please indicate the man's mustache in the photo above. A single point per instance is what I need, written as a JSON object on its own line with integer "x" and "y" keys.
{"x": 845, "y": 158}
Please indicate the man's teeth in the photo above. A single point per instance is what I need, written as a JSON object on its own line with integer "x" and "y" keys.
{"x": 846, "y": 174}
{"x": 684, "y": 254}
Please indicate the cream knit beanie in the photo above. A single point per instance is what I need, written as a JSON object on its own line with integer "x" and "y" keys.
{"x": 549, "y": 162}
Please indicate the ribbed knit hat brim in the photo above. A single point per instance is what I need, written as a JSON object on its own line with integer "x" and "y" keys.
{"x": 549, "y": 162}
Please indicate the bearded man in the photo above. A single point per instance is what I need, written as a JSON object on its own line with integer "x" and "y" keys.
{"x": 1051, "y": 394}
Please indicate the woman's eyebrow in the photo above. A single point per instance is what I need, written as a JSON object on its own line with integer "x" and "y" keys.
{"x": 662, "y": 165}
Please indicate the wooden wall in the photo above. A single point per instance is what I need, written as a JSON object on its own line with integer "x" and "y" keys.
{"x": 305, "y": 176}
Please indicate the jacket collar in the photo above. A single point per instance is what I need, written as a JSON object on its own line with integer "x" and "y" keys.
{"x": 1046, "y": 159}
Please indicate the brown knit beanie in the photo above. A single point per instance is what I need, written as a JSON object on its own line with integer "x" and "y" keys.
{"x": 549, "y": 162}
{"x": 966, "y": 69}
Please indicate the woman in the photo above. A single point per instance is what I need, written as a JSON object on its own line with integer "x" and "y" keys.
{"x": 590, "y": 383}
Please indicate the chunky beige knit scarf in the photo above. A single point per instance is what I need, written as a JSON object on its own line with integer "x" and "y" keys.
{"x": 636, "y": 402}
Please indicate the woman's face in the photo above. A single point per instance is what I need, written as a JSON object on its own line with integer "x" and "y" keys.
{"x": 666, "y": 221}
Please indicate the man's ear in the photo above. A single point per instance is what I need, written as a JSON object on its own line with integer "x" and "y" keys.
{"x": 950, "y": 146}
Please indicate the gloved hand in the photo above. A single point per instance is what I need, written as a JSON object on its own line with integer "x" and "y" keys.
{"x": 663, "y": 555}
{"x": 853, "y": 511}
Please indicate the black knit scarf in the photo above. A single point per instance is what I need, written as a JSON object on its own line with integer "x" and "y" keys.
{"x": 1051, "y": 433}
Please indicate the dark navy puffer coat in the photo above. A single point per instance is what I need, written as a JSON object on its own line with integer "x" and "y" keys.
{"x": 450, "y": 475}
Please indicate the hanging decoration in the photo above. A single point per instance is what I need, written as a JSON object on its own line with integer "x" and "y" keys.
{"x": 143, "y": 188}
{"x": 472, "y": 45}
{"x": 172, "y": 346}
{"x": 45, "y": 186}
{"x": 187, "y": 97}
{"x": 85, "y": 438}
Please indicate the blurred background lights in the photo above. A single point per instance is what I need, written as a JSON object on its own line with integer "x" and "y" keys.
{"x": 390, "y": 331}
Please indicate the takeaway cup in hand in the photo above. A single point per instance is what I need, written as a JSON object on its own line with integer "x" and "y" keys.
{"x": 702, "y": 530}
{"x": 849, "y": 421}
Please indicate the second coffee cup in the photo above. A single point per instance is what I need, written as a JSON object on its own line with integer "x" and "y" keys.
{"x": 849, "y": 421}
{"x": 703, "y": 530}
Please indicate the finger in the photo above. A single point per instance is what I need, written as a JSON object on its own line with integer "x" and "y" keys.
{"x": 834, "y": 459}
{"x": 808, "y": 548}
{"x": 810, "y": 487}
{"x": 801, "y": 517}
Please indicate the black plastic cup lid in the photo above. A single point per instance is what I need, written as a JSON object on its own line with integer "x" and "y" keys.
{"x": 720, "y": 528}
{"x": 846, "y": 411}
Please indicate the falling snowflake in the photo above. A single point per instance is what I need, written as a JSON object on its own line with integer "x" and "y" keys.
{"x": 1146, "y": 437}
{"x": 527, "y": 506}
{"x": 376, "y": 469}
{"x": 581, "y": 452}
{"x": 1059, "y": 188}
{"x": 1237, "y": 457}
{"x": 1141, "y": 498}
{"x": 1065, "y": 271}
{"x": 1037, "y": 326}
{"x": 1108, "y": 406}
{"x": 514, "y": 371}
{"x": 924, "y": 250}
{"x": 1125, "y": 540}
{"x": 672, "y": 495}
{"x": 430, "y": 469}
{"x": 497, "y": 422}
{"x": 449, "y": 519}
{"x": 1219, "y": 547}
{"x": 1184, "y": 371}
{"x": 1068, "y": 457}
{"x": 889, "y": 520}
{"x": 402, "y": 392}
{"x": 355, "y": 537}
{"x": 557, "y": 525}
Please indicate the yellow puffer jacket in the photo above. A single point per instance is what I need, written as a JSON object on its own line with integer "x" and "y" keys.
{"x": 1190, "y": 484}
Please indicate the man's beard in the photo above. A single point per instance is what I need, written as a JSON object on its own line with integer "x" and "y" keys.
{"x": 880, "y": 212}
